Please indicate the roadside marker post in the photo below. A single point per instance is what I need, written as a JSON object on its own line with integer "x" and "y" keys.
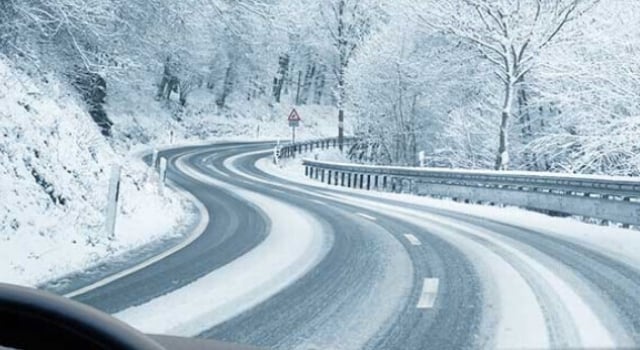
{"x": 112, "y": 201}
{"x": 163, "y": 174}
{"x": 154, "y": 159}
{"x": 276, "y": 154}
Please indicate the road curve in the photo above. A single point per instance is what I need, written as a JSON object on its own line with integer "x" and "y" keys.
{"x": 396, "y": 276}
{"x": 235, "y": 228}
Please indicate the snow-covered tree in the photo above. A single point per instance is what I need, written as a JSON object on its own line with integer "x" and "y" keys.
{"x": 510, "y": 34}
{"x": 589, "y": 90}
{"x": 347, "y": 23}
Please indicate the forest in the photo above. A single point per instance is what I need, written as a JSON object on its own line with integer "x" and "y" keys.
{"x": 541, "y": 85}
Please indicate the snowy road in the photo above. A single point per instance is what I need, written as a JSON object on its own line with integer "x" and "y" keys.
{"x": 286, "y": 264}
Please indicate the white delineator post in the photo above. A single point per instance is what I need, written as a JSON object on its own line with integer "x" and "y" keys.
{"x": 163, "y": 174}
{"x": 112, "y": 201}
{"x": 276, "y": 154}
{"x": 154, "y": 158}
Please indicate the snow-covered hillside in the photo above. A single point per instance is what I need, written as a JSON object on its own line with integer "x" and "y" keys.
{"x": 54, "y": 173}
{"x": 140, "y": 118}
{"x": 55, "y": 164}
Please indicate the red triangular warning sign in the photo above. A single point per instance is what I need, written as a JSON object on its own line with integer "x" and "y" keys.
{"x": 294, "y": 116}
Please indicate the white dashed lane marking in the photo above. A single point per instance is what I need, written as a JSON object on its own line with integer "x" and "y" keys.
{"x": 429, "y": 293}
{"x": 366, "y": 216}
{"x": 412, "y": 239}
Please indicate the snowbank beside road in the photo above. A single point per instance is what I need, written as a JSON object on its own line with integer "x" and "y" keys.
{"x": 54, "y": 174}
{"x": 283, "y": 257}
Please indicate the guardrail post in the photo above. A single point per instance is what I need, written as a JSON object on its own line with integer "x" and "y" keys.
{"x": 342, "y": 179}
{"x": 329, "y": 177}
{"x": 306, "y": 170}
{"x": 349, "y": 180}
{"x": 368, "y": 181}
{"x": 626, "y": 199}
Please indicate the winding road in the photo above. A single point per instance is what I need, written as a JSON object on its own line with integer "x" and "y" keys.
{"x": 286, "y": 264}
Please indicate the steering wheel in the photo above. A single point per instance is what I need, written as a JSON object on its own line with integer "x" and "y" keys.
{"x": 34, "y": 319}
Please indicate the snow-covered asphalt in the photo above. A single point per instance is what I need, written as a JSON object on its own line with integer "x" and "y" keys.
{"x": 292, "y": 265}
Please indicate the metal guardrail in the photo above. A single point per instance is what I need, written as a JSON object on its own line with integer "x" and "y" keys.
{"x": 290, "y": 150}
{"x": 616, "y": 199}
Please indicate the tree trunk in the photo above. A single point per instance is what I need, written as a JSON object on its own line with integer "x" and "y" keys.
{"x": 341, "y": 98}
{"x": 342, "y": 49}
{"x": 298, "y": 88}
{"x": 185, "y": 87}
{"x": 530, "y": 158}
{"x": 278, "y": 81}
{"x": 226, "y": 88}
{"x": 308, "y": 81}
{"x": 502, "y": 159}
{"x": 319, "y": 85}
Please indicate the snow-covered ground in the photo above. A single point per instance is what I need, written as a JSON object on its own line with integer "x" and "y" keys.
{"x": 139, "y": 117}
{"x": 54, "y": 174}
{"x": 618, "y": 242}
{"x": 54, "y": 168}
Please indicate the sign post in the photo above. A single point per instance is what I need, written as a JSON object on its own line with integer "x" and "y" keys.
{"x": 294, "y": 120}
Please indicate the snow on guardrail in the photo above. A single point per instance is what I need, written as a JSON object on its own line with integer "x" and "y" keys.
{"x": 615, "y": 199}
{"x": 290, "y": 150}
